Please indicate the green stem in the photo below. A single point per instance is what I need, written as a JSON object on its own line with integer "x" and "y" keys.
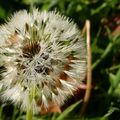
{"x": 54, "y": 116}
{"x": 1, "y": 109}
{"x": 19, "y": 116}
{"x": 107, "y": 51}
{"x": 29, "y": 115}
{"x": 14, "y": 113}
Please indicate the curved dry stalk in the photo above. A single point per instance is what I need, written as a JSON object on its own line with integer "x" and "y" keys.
{"x": 89, "y": 73}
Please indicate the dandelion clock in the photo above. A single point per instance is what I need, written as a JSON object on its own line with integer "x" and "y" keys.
{"x": 42, "y": 59}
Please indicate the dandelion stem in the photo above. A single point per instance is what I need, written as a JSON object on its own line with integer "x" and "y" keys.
{"x": 29, "y": 115}
{"x": 14, "y": 113}
{"x": 1, "y": 109}
{"x": 89, "y": 74}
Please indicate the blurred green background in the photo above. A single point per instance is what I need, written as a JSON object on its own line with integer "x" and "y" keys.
{"x": 105, "y": 44}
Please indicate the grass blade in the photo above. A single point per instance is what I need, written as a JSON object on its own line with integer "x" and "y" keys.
{"x": 68, "y": 110}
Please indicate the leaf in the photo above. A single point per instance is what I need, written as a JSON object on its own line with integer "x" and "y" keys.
{"x": 98, "y": 9}
{"x": 53, "y": 3}
{"x": 110, "y": 111}
{"x": 2, "y": 12}
{"x": 28, "y": 2}
{"x": 112, "y": 79}
{"x": 117, "y": 79}
{"x": 115, "y": 82}
{"x": 109, "y": 33}
{"x": 68, "y": 110}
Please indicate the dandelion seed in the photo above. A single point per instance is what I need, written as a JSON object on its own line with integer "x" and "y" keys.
{"x": 43, "y": 59}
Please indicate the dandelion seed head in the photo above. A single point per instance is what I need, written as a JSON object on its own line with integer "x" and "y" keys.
{"x": 44, "y": 57}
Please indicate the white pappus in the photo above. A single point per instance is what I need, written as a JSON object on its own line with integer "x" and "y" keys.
{"x": 42, "y": 59}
